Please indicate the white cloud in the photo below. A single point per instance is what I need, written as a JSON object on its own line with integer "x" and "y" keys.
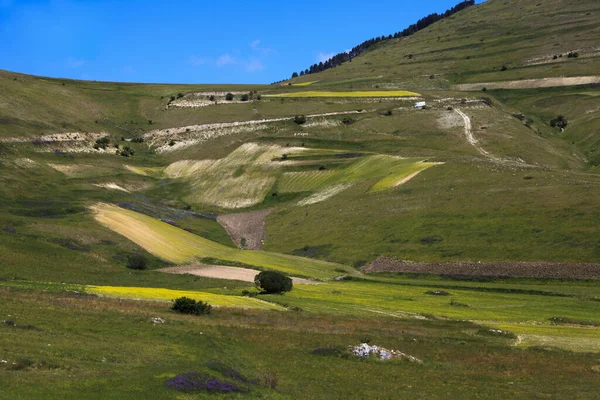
{"x": 255, "y": 46}
{"x": 74, "y": 62}
{"x": 225, "y": 59}
{"x": 197, "y": 60}
{"x": 322, "y": 57}
{"x": 254, "y": 65}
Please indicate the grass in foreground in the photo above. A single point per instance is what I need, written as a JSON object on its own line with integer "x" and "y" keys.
{"x": 72, "y": 346}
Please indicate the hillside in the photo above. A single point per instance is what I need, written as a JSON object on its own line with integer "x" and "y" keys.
{"x": 464, "y": 234}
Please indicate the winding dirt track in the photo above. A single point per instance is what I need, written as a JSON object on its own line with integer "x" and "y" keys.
{"x": 470, "y": 137}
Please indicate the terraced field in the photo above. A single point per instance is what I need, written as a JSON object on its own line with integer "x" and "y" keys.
{"x": 178, "y": 246}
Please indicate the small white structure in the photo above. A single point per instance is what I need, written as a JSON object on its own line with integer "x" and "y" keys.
{"x": 420, "y": 105}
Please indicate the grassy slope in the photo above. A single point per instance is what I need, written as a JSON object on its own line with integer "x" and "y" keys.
{"x": 468, "y": 208}
{"x": 474, "y": 44}
{"x": 98, "y": 348}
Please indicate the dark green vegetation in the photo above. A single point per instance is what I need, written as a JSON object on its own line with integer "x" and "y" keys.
{"x": 186, "y": 305}
{"x": 272, "y": 282}
{"x": 521, "y": 185}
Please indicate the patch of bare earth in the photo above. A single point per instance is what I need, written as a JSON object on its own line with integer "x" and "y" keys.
{"x": 530, "y": 83}
{"x": 223, "y": 272}
{"x": 518, "y": 269}
{"x": 246, "y": 229}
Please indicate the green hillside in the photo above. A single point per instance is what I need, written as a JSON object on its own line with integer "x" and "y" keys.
{"x": 115, "y": 198}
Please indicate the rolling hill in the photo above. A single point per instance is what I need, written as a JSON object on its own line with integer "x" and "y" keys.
{"x": 465, "y": 234}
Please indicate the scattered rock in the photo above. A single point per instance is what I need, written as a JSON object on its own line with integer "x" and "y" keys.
{"x": 158, "y": 320}
{"x": 365, "y": 351}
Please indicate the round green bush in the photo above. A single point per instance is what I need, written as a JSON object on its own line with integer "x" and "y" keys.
{"x": 137, "y": 261}
{"x": 273, "y": 282}
{"x": 185, "y": 305}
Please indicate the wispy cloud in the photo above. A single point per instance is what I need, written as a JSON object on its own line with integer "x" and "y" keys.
{"x": 197, "y": 60}
{"x": 322, "y": 57}
{"x": 253, "y": 65}
{"x": 225, "y": 59}
{"x": 74, "y": 62}
{"x": 255, "y": 46}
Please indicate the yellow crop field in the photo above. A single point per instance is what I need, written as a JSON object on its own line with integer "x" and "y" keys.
{"x": 179, "y": 246}
{"x": 217, "y": 300}
{"x": 374, "y": 93}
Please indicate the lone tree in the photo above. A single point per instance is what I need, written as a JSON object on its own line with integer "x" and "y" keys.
{"x": 273, "y": 282}
{"x": 559, "y": 122}
{"x": 294, "y": 75}
{"x": 229, "y": 96}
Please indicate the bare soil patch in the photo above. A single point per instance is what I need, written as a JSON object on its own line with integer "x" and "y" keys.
{"x": 530, "y": 83}
{"x": 246, "y": 229}
{"x": 223, "y": 272}
{"x": 517, "y": 269}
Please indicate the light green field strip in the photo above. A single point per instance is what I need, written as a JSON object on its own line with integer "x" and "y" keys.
{"x": 144, "y": 293}
{"x": 474, "y": 305}
{"x": 179, "y": 246}
{"x": 374, "y": 93}
{"x": 392, "y": 172}
{"x": 293, "y": 182}
{"x": 304, "y": 83}
{"x": 144, "y": 171}
{"x": 574, "y": 338}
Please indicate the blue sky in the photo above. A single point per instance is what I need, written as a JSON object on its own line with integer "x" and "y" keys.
{"x": 191, "y": 41}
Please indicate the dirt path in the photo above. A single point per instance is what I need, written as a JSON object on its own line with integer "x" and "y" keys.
{"x": 167, "y": 140}
{"x": 470, "y": 137}
{"x": 246, "y": 229}
{"x": 530, "y": 83}
{"x": 223, "y": 272}
{"x": 523, "y": 269}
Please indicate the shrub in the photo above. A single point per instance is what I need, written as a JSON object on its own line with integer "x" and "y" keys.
{"x": 244, "y": 97}
{"x": 348, "y": 121}
{"x": 102, "y": 143}
{"x": 229, "y": 97}
{"x": 172, "y": 142}
{"x": 273, "y": 282}
{"x": 299, "y": 119}
{"x": 504, "y": 68}
{"x": 126, "y": 152}
{"x": 138, "y": 139}
{"x": 137, "y": 261}
{"x": 179, "y": 95}
{"x": 211, "y": 97}
{"x": 573, "y": 54}
{"x": 559, "y": 122}
{"x": 185, "y": 305}
{"x": 259, "y": 97}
